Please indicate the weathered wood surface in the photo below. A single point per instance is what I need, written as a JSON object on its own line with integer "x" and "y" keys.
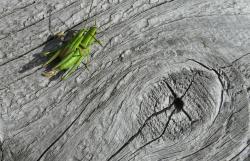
{"x": 122, "y": 109}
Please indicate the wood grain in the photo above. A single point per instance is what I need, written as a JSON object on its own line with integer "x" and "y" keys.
{"x": 172, "y": 82}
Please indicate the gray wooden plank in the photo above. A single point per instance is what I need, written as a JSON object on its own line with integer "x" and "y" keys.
{"x": 127, "y": 106}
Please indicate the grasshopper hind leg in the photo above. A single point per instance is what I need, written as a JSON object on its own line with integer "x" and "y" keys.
{"x": 82, "y": 54}
{"x": 49, "y": 53}
{"x": 55, "y": 55}
{"x": 72, "y": 69}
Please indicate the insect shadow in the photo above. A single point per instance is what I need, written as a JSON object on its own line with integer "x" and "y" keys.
{"x": 52, "y": 43}
{"x": 56, "y": 50}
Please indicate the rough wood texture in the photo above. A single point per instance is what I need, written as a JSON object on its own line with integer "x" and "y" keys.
{"x": 171, "y": 83}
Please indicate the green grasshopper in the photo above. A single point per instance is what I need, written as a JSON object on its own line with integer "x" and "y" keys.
{"x": 73, "y": 53}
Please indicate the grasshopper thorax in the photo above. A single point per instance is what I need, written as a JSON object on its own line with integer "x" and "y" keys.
{"x": 89, "y": 37}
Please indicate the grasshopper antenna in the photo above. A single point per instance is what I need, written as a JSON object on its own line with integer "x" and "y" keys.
{"x": 50, "y": 11}
{"x": 89, "y": 13}
{"x": 63, "y": 23}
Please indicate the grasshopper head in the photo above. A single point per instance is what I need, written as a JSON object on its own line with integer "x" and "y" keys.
{"x": 93, "y": 30}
